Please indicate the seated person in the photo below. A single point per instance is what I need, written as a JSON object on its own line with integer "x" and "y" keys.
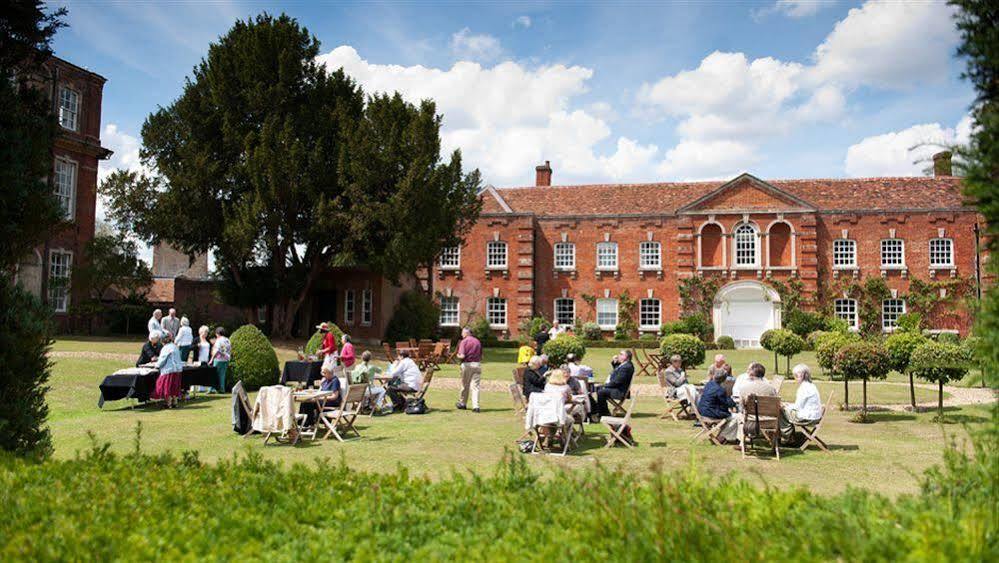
{"x": 543, "y": 369}
{"x": 559, "y": 382}
{"x": 327, "y": 383}
{"x": 739, "y": 381}
{"x": 807, "y": 405}
{"x": 406, "y": 378}
{"x": 718, "y": 364}
{"x": 524, "y": 353}
{"x": 150, "y": 350}
{"x": 534, "y": 381}
{"x": 365, "y": 372}
{"x": 675, "y": 375}
{"x": 716, "y": 404}
{"x": 617, "y": 385}
{"x": 754, "y": 384}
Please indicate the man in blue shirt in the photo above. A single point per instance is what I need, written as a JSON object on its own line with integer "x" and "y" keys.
{"x": 715, "y": 403}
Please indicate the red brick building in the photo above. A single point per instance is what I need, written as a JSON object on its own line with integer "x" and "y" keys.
{"x": 570, "y": 252}
{"x": 75, "y": 94}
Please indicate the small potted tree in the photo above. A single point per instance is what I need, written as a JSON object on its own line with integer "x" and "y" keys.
{"x": 827, "y": 346}
{"x": 864, "y": 361}
{"x": 939, "y": 362}
{"x": 900, "y": 347}
{"x": 689, "y": 347}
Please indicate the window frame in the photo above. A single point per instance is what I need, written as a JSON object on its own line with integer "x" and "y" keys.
{"x": 899, "y": 266}
{"x": 555, "y": 308}
{"x": 64, "y": 290}
{"x": 457, "y": 311}
{"x": 950, "y": 252}
{"x": 489, "y": 254}
{"x": 853, "y": 251}
{"x": 572, "y": 255}
{"x": 658, "y": 255}
{"x": 75, "y": 112}
{"x": 349, "y": 307}
{"x": 755, "y": 239}
{"x": 855, "y": 324}
{"x": 606, "y": 326}
{"x": 367, "y": 307}
{"x": 490, "y": 311}
{"x": 607, "y": 244}
{"x": 884, "y": 318}
{"x": 642, "y": 326}
{"x": 447, "y": 251}
{"x": 70, "y": 208}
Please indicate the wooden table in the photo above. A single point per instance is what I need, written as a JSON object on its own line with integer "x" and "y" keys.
{"x": 313, "y": 396}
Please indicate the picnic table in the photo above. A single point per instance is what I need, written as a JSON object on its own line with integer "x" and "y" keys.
{"x": 317, "y": 397}
{"x": 303, "y": 371}
{"x": 140, "y": 385}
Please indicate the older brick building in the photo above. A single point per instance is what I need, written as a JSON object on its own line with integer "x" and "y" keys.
{"x": 75, "y": 94}
{"x": 572, "y": 251}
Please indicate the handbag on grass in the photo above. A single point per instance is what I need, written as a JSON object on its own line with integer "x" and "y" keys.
{"x": 416, "y": 406}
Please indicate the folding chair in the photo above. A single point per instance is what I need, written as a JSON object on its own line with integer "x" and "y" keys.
{"x": 710, "y": 427}
{"x": 518, "y": 376}
{"x": 388, "y": 351}
{"x": 561, "y": 430}
{"x": 617, "y": 405}
{"x": 644, "y": 366}
{"x": 674, "y": 405}
{"x": 777, "y": 382}
{"x": 617, "y": 425}
{"x": 811, "y": 428}
{"x": 764, "y": 413}
{"x": 519, "y": 403}
{"x": 428, "y": 377}
{"x": 244, "y": 403}
{"x": 340, "y": 420}
{"x": 291, "y": 434}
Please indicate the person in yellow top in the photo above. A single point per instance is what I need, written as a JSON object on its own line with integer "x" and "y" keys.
{"x": 524, "y": 353}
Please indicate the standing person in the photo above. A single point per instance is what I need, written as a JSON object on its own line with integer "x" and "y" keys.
{"x": 169, "y": 381}
{"x": 204, "y": 346}
{"x": 328, "y": 345}
{"x": 540, "y": 339}
{"x": 470, "y": 354}
{"x": 525, "y": 352}
{"x": 185, "y": 338}
{"x": 221, "y": 354}
{"x": 347, "y": 357}
{"x": 171, "y": 323}
{"x": 154, "y": 324}
{"x": 617, "y": 385}
{"x": 406, "y": 378}
{"x": 554, "y": 331}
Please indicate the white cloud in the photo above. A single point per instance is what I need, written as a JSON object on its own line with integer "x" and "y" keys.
{"x": 126, "y": 151}
{"x": 801, "y": 8}
{"x": 507, "y": 118}
{"x": 707, "y": 160}
{"x": 522, "y": 21}
{"x": 482, "y": 47}
{"x": 903, "y": 153}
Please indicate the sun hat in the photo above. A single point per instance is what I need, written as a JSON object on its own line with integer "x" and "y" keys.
{"x": 322, "y": 326}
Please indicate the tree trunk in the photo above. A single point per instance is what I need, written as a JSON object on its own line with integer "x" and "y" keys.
{"x": 846, "y": 393}
{"x": 940, "y": 399}
{"x": 776, "y": 365}
{"x": 788, "y": 365}
{"x": 863, "y": 409}
{"x": 284, "y": 313}
{"x": 912, "y": 393}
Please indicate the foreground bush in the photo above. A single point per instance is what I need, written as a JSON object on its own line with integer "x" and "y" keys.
{"x": 251, "y": 509}
{"x": 687, "y": 346}
{"x": 253, "y": 358}
{"x": 561, "y": 347}
{"x": 316, "y": 341}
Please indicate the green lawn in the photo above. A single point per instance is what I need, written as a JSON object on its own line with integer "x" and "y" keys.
{"x": 885, "y": 455}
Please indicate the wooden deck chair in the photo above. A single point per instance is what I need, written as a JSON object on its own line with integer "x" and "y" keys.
{"x": 764, "y": 413}
{"x": 674, "y": 407}
{"x": 340, "y": 420}
{"x": 710, "y": 427}
{"x": 644, "y": 366}
{"x": 428, "y": 377}
{"x": 811, "y": 428}
{"x": 413, "y": 343}
{"x": 388, "y": 351}
{"x": 778, "y": 382}
{"x": 616, "y": 425}
{"x": 518, "y": 376}
{"x": 617, "y": 405}
{"x": 403, "y": 345}
{"x": 519, "y": 404}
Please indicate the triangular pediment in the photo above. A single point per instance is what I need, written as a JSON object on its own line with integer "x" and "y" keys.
{"x": 492, "y": 201}
{"x": 747, "y": 193}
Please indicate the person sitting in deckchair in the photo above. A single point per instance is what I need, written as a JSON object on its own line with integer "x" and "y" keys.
{"x": 716, "y": 404}
{"x": 534, "y": 381}
{"x": 675, "y": 375}
{"x": 807, "y": 405}
{"x": 327, "y": 383}
{"x": 406, "y": 378}
{"x": 560, "y": 382}
{"x": 365, "y": 372}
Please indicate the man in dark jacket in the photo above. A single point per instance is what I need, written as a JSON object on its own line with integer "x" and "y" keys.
{"x": 715, "y": 403}
{"x": 150, "y": 350}
{"x": 534, "y": 381}
{"x": 617, "y": 386}
{"x": 541, "y": 339}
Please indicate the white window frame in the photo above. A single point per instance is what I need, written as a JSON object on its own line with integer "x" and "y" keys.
{"x": 69, "y": 118}
{"x": 605, "y": 302}
{"x": 562, "y": 320}
{"x": 450, "y": 258}
{"x": 607, "y": 250}
{"x": 67, "y": 201}
{"x": 848, "y": 312}
{"x": 852, "y": 251}
{"x": 59, "y": 296}
{"x": 950, "y": 253}
{"x": 901, "y": 245}
{"x": 491, "y": 255}
{"x": 494, "y": 307}
{"x": 887, "y": 326}
{"x": 642, "y": 313}
{"x": 349, "y": 307}
{"x": 569, "y": 262}
{"x": 650, "y": 255}
{"x": 445, "y": 317}
{"x": 755, "y": 239}
{"x": 367, "y": 306}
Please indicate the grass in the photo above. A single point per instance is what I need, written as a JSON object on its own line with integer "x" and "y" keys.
{"x": 885, "y": 456}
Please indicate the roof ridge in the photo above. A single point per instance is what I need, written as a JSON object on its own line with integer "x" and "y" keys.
{"x": 722, "y": 182}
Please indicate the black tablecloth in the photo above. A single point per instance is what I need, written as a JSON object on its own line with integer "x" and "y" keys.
{"x": 140, "y": 387}
{"x": 301, "y": 371}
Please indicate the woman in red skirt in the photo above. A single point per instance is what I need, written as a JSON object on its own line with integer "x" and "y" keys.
{"x": 169, "y": 382}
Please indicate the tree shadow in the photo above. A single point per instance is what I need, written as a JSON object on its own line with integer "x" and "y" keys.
{"x": 889, "y": 416}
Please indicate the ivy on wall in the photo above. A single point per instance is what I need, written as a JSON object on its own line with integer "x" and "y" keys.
{"x": 697, "y": 295}
{"x": 626, "y": 325}
{"x": 941, "y": 299}
{"x": 790, "y": 293}
{"x": 869, "y": 294}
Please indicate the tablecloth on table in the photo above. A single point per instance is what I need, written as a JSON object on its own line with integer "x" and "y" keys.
{"x": 301, "y": 371}
{"x": 139, "y": 383}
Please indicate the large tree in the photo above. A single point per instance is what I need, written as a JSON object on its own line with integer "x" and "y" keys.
{"x": 281, "y": 169}
{"x": 978, "y": 22}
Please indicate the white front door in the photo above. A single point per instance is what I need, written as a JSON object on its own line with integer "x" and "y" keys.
{"x": 744, "y": 311}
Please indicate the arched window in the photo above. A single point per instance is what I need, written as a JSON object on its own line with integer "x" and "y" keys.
{"x": 746, "y": 246}
{"x": 781, "y": 251}
{"x": 711, "y": 246}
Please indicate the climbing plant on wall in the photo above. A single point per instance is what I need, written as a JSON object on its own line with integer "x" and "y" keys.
{"x": 697, "y": 295}
{"x": 869, "y": 294}
{"x": 626, "y": 326}
{"x": 940, "y": 300}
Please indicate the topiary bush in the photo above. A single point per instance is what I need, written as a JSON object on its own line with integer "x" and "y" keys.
{"x": 689, "y": 347}
{"x": 725, "y": 343}
{"x": 592, "y": 331}
{"x": 900, "y": 346}
{"x": 253, "y": 358}
{"x": 316, "y": 340}
{"x": 864, "y": 361}
{"x": 558, "y": 348}
{"x": 826, "y": 349}
{"x": 697, "y": 325}
{"x": 941, "y": 363}
{"x": 416, "y": 316}
{"x": 785, "y": 343}
{"x": 812, "y": 341}
{"x": 480, "y": 329}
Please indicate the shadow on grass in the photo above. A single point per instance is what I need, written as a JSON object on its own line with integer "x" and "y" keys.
{"x": 889, "y": 416}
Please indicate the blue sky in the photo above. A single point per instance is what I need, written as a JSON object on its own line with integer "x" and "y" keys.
{"x": 607, "y": 93}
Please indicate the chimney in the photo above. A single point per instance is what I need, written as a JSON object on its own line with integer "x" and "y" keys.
{"x": 543, "y": 174}
{"x": 941, "y": 164}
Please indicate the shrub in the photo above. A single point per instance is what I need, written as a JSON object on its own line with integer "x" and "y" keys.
{"x": 948, "y": 338}
{"x": 24, "y": 371}
{"x": 939, "y": 362}
{"x": 687, "y": 346}
{"x": 862, "y": 360}
{"x": 812, "y": 341}
{"x": 316, "y": 340}
{"x": 253, "y": 358}
{"x": 592, "y": 331}
{"x": 530, "y": 327}
{"x": 900, "y": 346}
{"x": 725, "y": 343}
{"x": 673, "y": 327}
{"x": 783, "y": 342}
{"x": 909, "y": 322}
{"x": 825, "y": 353}
{"x": 804, "y": 323}
{"x": 697, "y": 325}
{"x": 416, "y": 316}
{"x": 480, "y": 329}
{"x": 560, "y": 347}
{"x": 766, "y": 339}
{"x": 648, "y": 337}
{"x": 836, "y": 324}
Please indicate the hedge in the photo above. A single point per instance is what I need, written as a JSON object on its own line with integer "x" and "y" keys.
{"x": 249, "y": 508}
{"x": 253, "y": 359}
{"x": 558, "y": 348}
{"x": 415, "y": 316}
